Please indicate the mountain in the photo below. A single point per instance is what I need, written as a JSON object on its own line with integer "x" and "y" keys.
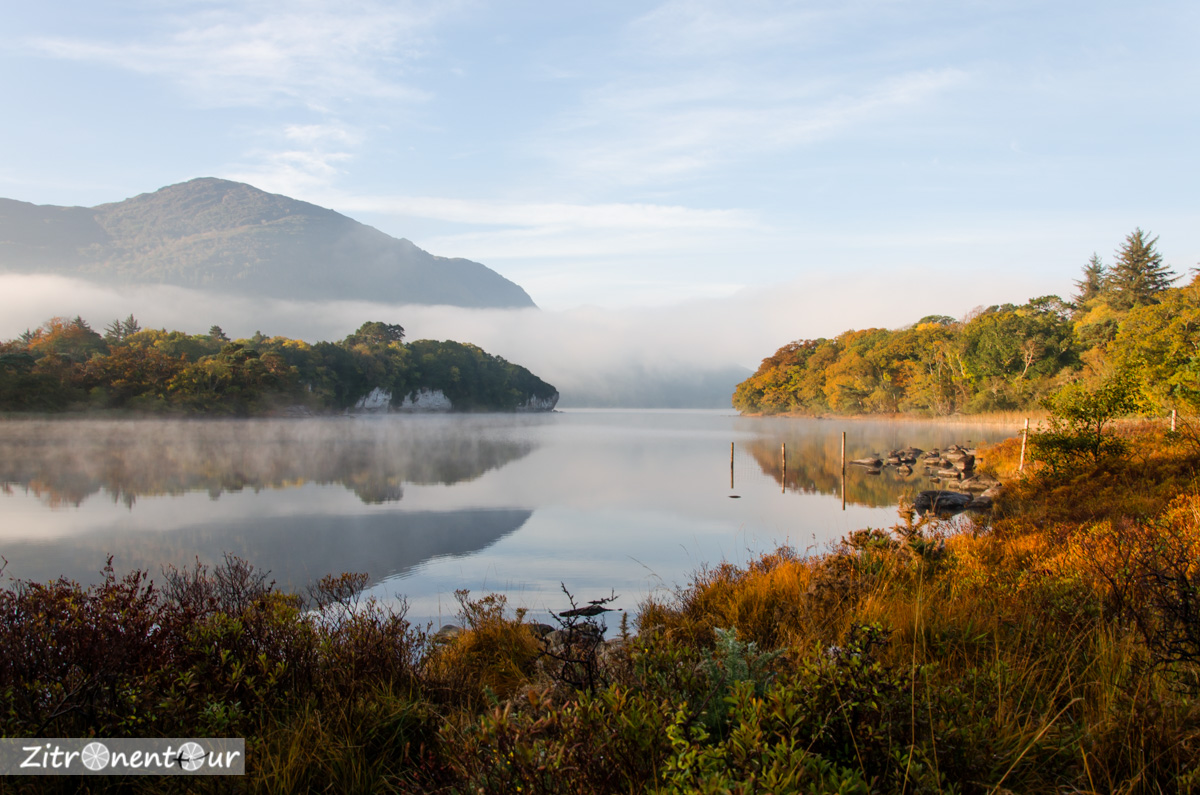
{"x": 230, "y": 237}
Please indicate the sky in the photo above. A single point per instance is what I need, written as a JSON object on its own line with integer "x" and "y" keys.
{"x": 797, "y": 168}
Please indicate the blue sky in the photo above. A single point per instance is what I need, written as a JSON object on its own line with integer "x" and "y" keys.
{"x": 909, "y": 157}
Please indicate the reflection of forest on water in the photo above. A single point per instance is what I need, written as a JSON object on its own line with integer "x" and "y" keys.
{"x": 65, "y": 461}
{"x": 814, "y": 450}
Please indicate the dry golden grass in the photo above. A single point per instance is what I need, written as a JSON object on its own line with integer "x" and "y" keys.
{"x": 492, "y": 657}
{"x": 1040, "y": 620}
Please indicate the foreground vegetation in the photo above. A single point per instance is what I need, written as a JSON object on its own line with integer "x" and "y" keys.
{"x": 1052, "y": 647}
{"x": 1126, "y": 317}
{"x": 66, "y": 365}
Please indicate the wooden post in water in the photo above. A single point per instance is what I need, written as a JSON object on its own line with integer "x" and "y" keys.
{"x": 1172, "y": 420}
{"x": 1024, "y": 437}
{"x": 783, "y": 467}
{"x": 843, "y": 470}
{"x": 731, "y": 465}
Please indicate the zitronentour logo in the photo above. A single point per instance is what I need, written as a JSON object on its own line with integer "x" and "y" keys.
{"x": 95, "y": 756}
{"x": 57, "y": 756}
{"x": 191, "y": 757}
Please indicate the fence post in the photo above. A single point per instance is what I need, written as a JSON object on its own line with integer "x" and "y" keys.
{"x": 1024, "y": 437}
{"x": 843, "y": 470}
{"x": 783, "y": 467}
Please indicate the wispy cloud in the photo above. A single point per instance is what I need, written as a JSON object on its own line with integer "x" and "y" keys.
{"x": 291, "y": 172}
{"x": 555, "y": 248}
{"x": 716, "y": 27}
{"x": 634, "y": 134}
{"x": 300, "y": 159}
{"x": 312, "y": 52}
{"x": 322, "y": 134}
{"x": 706, "y": 84}
{"x": 552, "y": 214}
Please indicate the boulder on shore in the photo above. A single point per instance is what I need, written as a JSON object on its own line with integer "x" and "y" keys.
{"x": 941, "y": 502}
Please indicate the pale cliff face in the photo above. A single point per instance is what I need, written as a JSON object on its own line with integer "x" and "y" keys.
{"x": 426, "y": 400}
{"x": 377, "y": 399}
{"x": 539, "y": 404}
{"x": 434, "y": 400}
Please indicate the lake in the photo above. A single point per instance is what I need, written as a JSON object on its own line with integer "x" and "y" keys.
{"x": 631, "y": 502}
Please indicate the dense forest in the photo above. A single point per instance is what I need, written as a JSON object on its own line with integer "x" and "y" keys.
{"x": 67, "y": 365}
{"x": 1125, "y": 319}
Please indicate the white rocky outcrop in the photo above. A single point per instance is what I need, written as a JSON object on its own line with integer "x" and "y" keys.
{"x": 426, "y": 400}
{"x": 539, "y": 404}
{"x": 378, "y": 399}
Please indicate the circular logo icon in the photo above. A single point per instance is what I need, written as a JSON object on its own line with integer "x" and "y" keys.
{"x": 191, "y": 756}
{"x": 94, "y": 756}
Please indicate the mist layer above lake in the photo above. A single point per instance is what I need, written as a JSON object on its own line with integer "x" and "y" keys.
{"x": 599, "y": 500}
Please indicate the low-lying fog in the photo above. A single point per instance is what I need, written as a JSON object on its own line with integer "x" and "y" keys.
{"x": 686, "y": 355}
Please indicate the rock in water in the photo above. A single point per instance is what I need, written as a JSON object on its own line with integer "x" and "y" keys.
{"x": 941, "y": 502}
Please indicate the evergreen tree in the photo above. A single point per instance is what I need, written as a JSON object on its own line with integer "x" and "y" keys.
{"x": 118, "y": 330}
{"x": 1138, "y": 275}
{"x": 114, "y": 332}
{"x": 1095, "y": 274}
{"x": 217, "y": 334}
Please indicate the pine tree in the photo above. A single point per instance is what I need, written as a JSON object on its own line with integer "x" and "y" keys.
{"x": 1095, "y": 274}
{"x": 1138, "y": 275}
{"x": 114, "y": 332}
{"x": 119, "y": 330}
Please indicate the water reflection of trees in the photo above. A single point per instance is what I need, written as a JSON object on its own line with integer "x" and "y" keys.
{"x": 64, "y": 462}
{"x": 814, "y": 457}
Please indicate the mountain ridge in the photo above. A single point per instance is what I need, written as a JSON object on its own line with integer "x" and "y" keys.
{"x": 216, "y": 234}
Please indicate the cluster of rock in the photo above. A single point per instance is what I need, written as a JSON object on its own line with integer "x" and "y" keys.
{"x": 952, "y": 468}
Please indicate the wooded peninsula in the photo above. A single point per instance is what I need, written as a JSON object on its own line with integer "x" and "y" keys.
{"x": 66, "y": 365}
{"x": 1125, "y": 319}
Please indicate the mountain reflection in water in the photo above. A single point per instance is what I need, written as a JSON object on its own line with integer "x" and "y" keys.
{"x": 296, "y": 550}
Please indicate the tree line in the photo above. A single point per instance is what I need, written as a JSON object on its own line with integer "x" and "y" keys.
{"x": 67, "y": 365}
{"x": 1125, "y": 318}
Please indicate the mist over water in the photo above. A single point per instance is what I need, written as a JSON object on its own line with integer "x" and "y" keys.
{"x": 631, "y": 501}
{"x": 65, "y": 461}
{"x": 684, "y": 355}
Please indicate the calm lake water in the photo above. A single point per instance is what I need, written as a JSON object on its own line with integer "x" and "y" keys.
{"x": 631, "y": 502}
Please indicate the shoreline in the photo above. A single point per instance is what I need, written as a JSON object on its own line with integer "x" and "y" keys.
{"x": 991, "y": 418}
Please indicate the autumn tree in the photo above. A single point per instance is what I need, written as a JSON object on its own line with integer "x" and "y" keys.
{"x": 1160, "y": 342}
{"x": 73, "y": 340}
